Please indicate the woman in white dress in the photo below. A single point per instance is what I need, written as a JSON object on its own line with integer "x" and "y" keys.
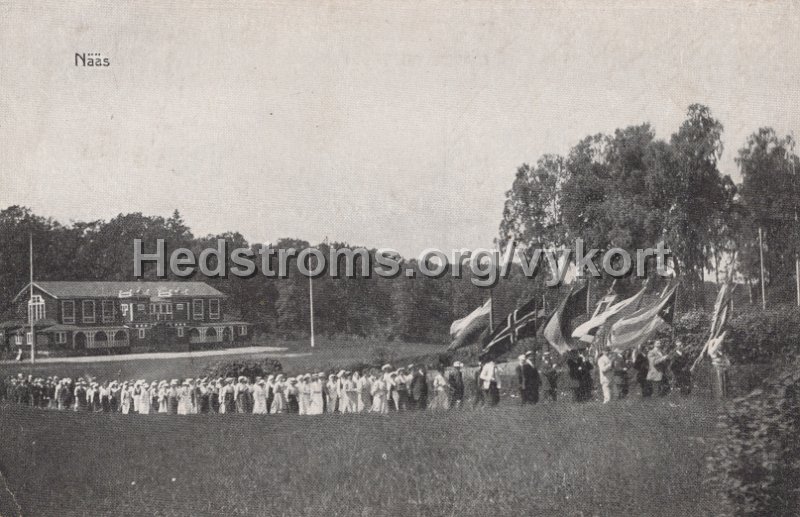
{"x": 379, "y": 396}
{"x": 332, "y": 391}
{"x": 304, "y": 393}
{"x": 315, "y": 387}
{"x": 144, "y": 400}
{"x": 127, "y": 398}
{"x": 344, "y": 400}
{"x": 184, "y": 399}
{"x": 278, "y": 397}
{"x": 260, "y": 397}
{"x": 162, "y": 397}
{"x": 441, "y": 394}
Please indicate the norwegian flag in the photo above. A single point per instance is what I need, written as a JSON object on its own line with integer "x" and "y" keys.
{"x": 519, "y": 324}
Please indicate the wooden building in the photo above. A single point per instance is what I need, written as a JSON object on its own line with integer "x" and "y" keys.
{"x": 109, "y": 317}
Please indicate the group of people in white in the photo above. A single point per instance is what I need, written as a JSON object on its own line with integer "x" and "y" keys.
{"x": 374, "y": 391}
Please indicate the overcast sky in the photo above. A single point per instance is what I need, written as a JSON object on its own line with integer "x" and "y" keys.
{"x": 378, "y": 123}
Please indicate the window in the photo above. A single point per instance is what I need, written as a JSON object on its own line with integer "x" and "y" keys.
{"x": 108, "y": 311}
{"x": 243, "y": 330}
{"x": 197, "y": 309}
{"x": 88, "y": 311}
{"x": 28, "y": 338}
{"x": 213, "y": 309}
{"x": 18, "y": 339}
{"x": 124, "y": 309}
{"x": 178, "y": 306}
{"x": 180, "y": 331}
{"x": 61, "y": 338}
{"x": 68, "y": 312}
{"x": 140, "y": 307}
{"x": 161, "y": 310}
{"x": 142, "y": 333}
{"x": 36, "y": 309}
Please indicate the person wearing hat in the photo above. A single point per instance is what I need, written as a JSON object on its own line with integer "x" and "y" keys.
{"x": 456, "y": 381}
{"x": 680, "y": 366}
{"x": 605, "y": 368}
{"x": 419, "y": 388}
{"x": 173, "y": 397}
{"x": 549, "y": 369}
{"x": 184, "y": 398}
{"x": 316, "y": 387}
{"x": 401, "y": 380}
{"x": 214, "y": 387}
{"x": 332, "y": 394}
{"x": 259, "y": 397}
{"x": 127, "y": 398}
{"x": 379, "y": 393}
{"x": 270, "y": 387}
{"x": 80, "y": 396}
{"x": 241, "y": 394}
{"x": 363, "y": 393}
{"x": 441, "y": 390}
{"x": 303, "y": 394}
{"x": 490, "y": 382}
{"x": 292, "y": 403}
{"x": 528, "y": 378}
{"x": 657, "y": 362}
{"x": 278, "y": 395}
{"x": 344, "y": 401}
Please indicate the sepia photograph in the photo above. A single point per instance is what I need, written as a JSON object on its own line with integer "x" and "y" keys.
{"x": 420, "y": 259}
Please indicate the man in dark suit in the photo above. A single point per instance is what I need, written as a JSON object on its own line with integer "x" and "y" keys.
{"x": 528, "y": 378}
{"x": 456, "y": 382}
{"x": 419, "y": 388}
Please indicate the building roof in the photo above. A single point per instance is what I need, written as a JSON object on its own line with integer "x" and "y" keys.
{"x": 88, "y": 289}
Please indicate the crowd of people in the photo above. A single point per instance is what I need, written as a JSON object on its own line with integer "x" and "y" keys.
{"x": 309, "y": 394}
{"x": 371, "y": 390}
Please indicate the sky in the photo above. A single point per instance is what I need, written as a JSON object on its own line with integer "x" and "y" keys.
{"x": 385, "y": 124}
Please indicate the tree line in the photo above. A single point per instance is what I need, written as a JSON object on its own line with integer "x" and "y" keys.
{"x": 627, "y": 189}
{"x": 631, "y": 190}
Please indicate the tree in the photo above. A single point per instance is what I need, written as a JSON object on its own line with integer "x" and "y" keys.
{"x": 770, "y": 194}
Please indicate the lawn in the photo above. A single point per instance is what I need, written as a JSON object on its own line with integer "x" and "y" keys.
{"x": 299, "y": 358}
{"x": 630, "y": 458}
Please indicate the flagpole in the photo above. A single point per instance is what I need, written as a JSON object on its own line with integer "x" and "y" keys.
{"x": 761, "y": 263}
{"x": 311, "y": 303}
{"x": 30, "y": 302}
{"x": 491, "y": 311}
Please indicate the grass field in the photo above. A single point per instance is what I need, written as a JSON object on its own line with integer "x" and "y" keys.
{"x": 299, "y": 358}
{"x": 630, "y": 458}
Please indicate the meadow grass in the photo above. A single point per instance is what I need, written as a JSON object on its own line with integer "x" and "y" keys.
{"x": 631, "y": 457}
{"x": 299, "y": 358}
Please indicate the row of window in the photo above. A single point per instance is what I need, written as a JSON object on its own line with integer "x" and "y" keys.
{"x": 162, "y": 310}
{"x": 61, "y": 337}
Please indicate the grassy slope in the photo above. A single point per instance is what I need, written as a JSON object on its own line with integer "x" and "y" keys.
{"x": 328, "y": 354}
{"x": 633, "y": 458}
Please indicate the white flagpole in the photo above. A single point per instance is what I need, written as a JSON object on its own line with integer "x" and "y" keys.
{"x": 311, "y": 303}
{"x": 31, "y": 312}
{"x": 761, "y": 261}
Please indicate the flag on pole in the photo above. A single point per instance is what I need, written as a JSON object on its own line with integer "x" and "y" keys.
{"x": 469, "y": 329}
{"x": 640, "y": 326}
{"x": 557, "y": 328}
{"x": 519, "y": 324}
{"x": 586, "y": 332}
{"x": 721, "y": 309}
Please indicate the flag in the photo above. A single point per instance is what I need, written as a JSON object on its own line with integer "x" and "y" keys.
{"x": 469, "y": 329}
{"x": 519, "y": 324}
{"x": 640, "y": 326}
{"x": 721, "y": 309}
{"x": 557, "y": 328}
{"x": 586, "y": 332}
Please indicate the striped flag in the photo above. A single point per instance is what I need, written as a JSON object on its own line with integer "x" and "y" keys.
{"x": 586, "y": 332}
{"x": 469, "y": 329}
{"x": 519, "y": 324}
{"x": 557, "y": 328}
{"x": 640, "y": 326}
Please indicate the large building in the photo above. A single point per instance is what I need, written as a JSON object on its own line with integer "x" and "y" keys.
{"x": 98, "y": 317}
